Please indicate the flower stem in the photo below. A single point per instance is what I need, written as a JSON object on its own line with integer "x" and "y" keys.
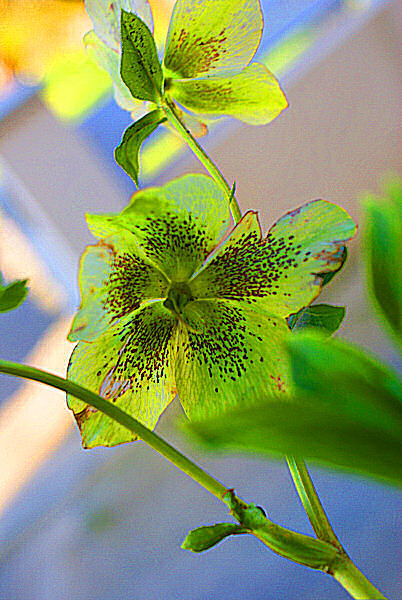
{"x": 295, "y": 546}
{"x": 174, "y": 119}
{"x": 311, "y": 501}
{"x": 354, "y": 582}
{"x": 213, "y": 486}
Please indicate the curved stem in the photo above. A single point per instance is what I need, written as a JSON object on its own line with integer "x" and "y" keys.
{"x": 311, "y": 501}
{"x": 295, "y": 546}
{"x": 183, "y": 463}
{"x": 174, "y": 119}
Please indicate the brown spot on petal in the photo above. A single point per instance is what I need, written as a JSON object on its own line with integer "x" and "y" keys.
{"x": 80, "y": 328}
{"x": 83, "y": 415}
{"x": 279, "y": 383}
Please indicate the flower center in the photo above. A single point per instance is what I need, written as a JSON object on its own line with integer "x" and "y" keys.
{"x": 179, "y": 295}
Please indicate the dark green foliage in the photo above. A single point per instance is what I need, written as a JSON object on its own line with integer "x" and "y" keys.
{"x": 325, "y": 317}
{"x": 140, "y": 67}
{"x": 346, "y": 413}
{"x": 13, "y": 294}
{"x": 382, "y": 245}
{"x": 127, "y": 153}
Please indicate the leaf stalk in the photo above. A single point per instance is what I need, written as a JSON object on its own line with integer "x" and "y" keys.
{"x": 174, "y": 119}
{"x": 311, "y": 502}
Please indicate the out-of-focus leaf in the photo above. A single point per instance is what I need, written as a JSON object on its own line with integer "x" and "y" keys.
{"x": 205, "y": 537}
{"x": 127, "y": 153}
{"x": 12, "y": 295}
{"x": 316, "y": 433}
{"x": 341, "y": 376}
{"x": 346, "y": 413}
{"x": 325, "y": 317}
{"x": 140, "y": 67}
{"x": 383, "y": 248}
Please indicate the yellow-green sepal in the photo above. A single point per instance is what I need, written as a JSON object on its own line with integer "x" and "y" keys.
{"x": 253, "y": 96}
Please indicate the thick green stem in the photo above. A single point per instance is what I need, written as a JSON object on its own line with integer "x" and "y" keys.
{"x": 354, "y": 582}
{"x": 174, "y": 119}
{"x": 311, "y": 501}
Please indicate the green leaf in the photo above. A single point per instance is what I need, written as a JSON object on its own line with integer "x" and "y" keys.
{"x": 13, "y": 294}
{"x": 325, "y": 317}
{"x": 252, "y": 96}
{"x": 319, "y": 434}
{"x": 382, "y": 246}
{"x": 127, "y": 153}
{"x": 347, "y": 378}
{"x": 207, "y": 37}
{"x": 203, "y": 538}
{"x": 346, "y": 413}
{"x": 140, "y": 67}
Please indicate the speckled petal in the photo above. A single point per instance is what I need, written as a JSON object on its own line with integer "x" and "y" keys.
{"x": 230, "y": 355}
{"x": 284, "y": 271}
{"x": 115, "y": 280}
{"x": 252, "y": 96}
{"x": 207, "y": 37}
{"x": 176, "y": 225}
{"x": 105, "y": 17}
{"x": 132, "y": 365}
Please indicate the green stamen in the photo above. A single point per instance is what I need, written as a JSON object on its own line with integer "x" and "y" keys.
{"x": 178, "y": 296}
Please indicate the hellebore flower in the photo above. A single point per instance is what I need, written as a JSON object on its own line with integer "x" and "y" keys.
{"x": 206, "y": 62}
{"x": 167, "y": 307}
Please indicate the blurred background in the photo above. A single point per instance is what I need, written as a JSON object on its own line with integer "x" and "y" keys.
{"x": 108, "y": 523}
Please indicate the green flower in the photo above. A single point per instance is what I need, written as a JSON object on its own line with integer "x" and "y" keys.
{"x": 167, "y": 307}
{"x": 206, "y": 62}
